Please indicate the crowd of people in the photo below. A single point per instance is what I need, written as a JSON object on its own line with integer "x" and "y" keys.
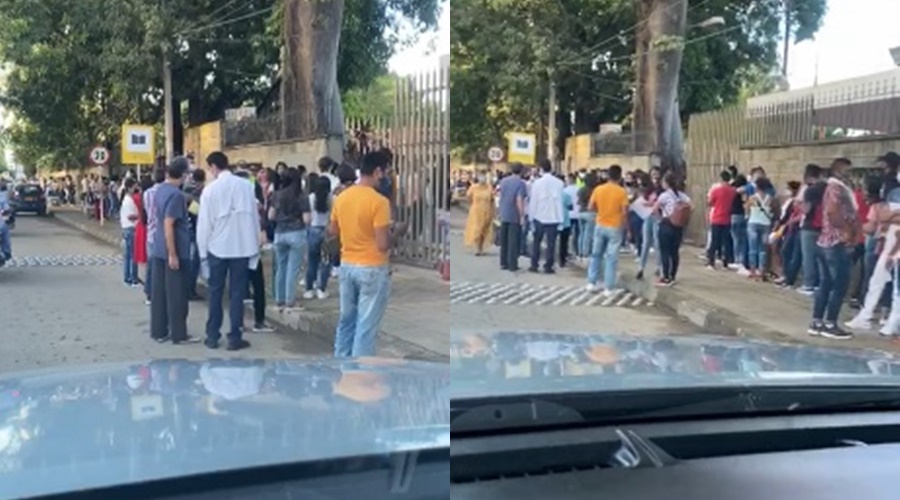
{"x": 830, "y": 235}
{"x": 180, "y": 226}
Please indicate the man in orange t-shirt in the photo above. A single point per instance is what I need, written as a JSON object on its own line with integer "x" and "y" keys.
{"x": 361, "y": 217}
{"x": 610, "y": 200}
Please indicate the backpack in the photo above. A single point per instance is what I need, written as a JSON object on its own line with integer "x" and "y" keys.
{"x": 681, "y": 214}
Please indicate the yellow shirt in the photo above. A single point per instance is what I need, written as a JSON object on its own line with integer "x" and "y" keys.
{"x": 358, "y": 211}
{"x": 611, "y": 201}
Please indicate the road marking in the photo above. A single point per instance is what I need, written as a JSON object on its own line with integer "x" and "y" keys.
{"x": 64, "y": 261}
{"x": 526, "y": 294}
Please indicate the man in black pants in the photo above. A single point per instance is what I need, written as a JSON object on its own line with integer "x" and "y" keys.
{"x": 170, "y": 259}
{"x": 513, "y": 192}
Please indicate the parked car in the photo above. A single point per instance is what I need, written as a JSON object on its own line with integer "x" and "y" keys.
{"x": 30, "y": 198}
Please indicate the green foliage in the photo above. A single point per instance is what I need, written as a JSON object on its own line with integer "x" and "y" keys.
{"x": 79, "y": 69}
{"x": 503, "y": 51}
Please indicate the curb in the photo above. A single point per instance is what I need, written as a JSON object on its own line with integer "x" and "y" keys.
{"x": 312, "y": 323}
{"x": 708, "y": 317}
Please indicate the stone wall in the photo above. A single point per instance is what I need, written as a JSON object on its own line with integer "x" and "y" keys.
{"x": 203, "y": 140}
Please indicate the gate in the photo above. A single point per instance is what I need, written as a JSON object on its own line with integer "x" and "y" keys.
{"x": 418, "y": 134}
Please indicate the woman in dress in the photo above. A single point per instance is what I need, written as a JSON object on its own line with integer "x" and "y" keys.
{"x": 480, "y": 223}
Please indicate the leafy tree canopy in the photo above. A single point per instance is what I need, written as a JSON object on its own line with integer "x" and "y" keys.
{"x": 504, "y": 51}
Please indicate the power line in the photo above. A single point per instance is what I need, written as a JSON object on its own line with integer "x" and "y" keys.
{"x": 685, "y": 44}
{"x": 232, "y": 20}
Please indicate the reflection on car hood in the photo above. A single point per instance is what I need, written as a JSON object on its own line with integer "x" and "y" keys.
{"x": 115, "y": 424}
{"x": 508, "y": 363}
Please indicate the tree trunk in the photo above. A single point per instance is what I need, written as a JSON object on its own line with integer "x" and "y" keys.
{"x": 311, "y": 99}
{"x": 659, "y": 54}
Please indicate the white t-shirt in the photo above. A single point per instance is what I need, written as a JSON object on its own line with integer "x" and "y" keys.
{"x": 129, "y": 209}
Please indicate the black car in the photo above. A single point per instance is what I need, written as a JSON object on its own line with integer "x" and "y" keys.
{"x": 30, "y": 198}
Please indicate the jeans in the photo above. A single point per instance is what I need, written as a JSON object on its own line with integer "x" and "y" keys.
{"x": 893, "y": 323}
{"x": 364, "y": 294}
{"x": 808, "y": 246}
{"x": 130, "y": 266}
{"x": 588, "y": 221}
{"x": 5, "y": 243}
{"x": 235, "y": 272}
{"x": 757, "y": 241}
{"x": 290, "y": 248}
{"x": 510, "y": 235}
{"x": 720, "y": 244}
{"x": 636, "y": 228}
{"x": 791, "y": 256}
{"x": 650, "y": 240}
{"x": 607, "y": 241}
{"x": 834, "y": 276}
{"x": 316, "y": 266}
{"x": 739, "y": 239}
{"x": 541, "y": 230}
{"x": 669, "y": 246}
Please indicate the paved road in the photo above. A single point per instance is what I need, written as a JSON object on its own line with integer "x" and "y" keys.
{"x": 62, "y": 301}
{"x": 484, "y": 299}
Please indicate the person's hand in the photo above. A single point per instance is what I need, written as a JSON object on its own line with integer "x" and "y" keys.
{"x": 173, "y": 262}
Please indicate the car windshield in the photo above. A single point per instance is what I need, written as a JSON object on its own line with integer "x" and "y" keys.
{"x": 728, "y": 222}
{"x": 221, "y": 230}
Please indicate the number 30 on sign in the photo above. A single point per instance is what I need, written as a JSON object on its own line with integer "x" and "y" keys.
{"x": 99, "y": 155}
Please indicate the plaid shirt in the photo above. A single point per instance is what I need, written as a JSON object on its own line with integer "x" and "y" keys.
{"x": 840, "y": 222}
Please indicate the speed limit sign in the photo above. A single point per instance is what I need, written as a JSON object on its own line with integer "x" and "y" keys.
{"x": 99, "y": 155}
{"x": 495, "y": 154}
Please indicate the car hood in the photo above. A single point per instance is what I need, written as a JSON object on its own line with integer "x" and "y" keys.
{"x": 113, "y": 424}
{"x": 518, "y": 363}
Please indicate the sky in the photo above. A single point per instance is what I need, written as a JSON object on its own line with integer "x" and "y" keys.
{"x": 420, "y": 56}
{"x": 853, "y": 41}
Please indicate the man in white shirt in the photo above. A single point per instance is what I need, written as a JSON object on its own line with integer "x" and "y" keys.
{"x": 545, "y": 208}
{"x": 228, "y": 243}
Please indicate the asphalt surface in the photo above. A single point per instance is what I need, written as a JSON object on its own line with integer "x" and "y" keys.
{"x": 485, "y": 299}
{"x": 63, "y": 302}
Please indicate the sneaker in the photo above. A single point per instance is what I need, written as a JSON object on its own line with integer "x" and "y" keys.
{"x": 309, "y": 294}
{"x": 321, "y": 294}
{"x": 859, "y": 323}
{"x": 238, "y": 345}
{"x": 610, "y": 293}
{"x": 809, "y": 292}
{"x": 734, "y": 267}
{"x": 592, "y": 288}
{"x": 743, "y": 271}
{"x": 187, "y": 340}
{"x": 639, "y": 276}
{"x": 710, "y": 267}
{"x": 662, "y": 282}
{"x": 815, "y": 328}
{"x": 248, "y": 302}
{"x": 834, "y": 332}
{"x": 146, "y": 302}
{"x": 263, "y": 328}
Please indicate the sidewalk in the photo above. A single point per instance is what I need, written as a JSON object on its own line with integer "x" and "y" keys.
{"x": 724, "y": 303}
{"x": 415, "y": 326}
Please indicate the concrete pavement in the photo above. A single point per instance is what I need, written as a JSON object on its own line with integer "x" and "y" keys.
{"x": 68, "y": 306}
{"x": 415, "y": 326}
{"x": 485, "y": 299}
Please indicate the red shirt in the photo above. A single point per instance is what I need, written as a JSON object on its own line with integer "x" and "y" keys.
{"x": 721, "y": 197}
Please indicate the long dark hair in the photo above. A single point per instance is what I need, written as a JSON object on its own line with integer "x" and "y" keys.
{"x": 291, "y": 188}
{"x": 129, "y": 189}
{"x": 673, "y": 182}
{"x": 322, "y": 190}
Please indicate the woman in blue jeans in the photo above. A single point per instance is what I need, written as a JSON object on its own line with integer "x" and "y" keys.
{"x": 759, "y": 225}
{"x": 318, "y": 268}
{"x": 291, "y": 214}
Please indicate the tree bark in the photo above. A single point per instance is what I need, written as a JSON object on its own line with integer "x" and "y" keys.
{"x": 657, "y": 123}
{"x": 311, "y": 99}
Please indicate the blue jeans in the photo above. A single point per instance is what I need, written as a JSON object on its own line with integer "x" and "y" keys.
{"x": 834, "y": 274}
{"x": 316, "y": 267}
{"x": 757, "y": 240}
{"x": 739, "y": 239}
{"x": 791, "y": 256}
{"x": 290, "y": 248}
{"x": 808, "y": 246}
{"x": 364, "y": 294}
{"x": 236, "y": 272}
{"x": 130, "y": 266}
{"x": 650, "y": 240}
{"x": 636, "y": 227}
{"x": 588, "y": 222}
{"x": 5, "y": 243}
{"x": 607, "y": 241}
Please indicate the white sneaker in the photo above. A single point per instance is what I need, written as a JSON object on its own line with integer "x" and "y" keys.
{"x": 743, "y": 271}
{"x": 735, "y": 267}
{"x": 309, "y": 294}
{"x": 592, "y": 288}
{"x": 321, "y": 294}
{"x": 859, "y": 323}
{"x": 609, "y": 293}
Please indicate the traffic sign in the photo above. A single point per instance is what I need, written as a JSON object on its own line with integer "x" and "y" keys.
{"x": 138, "y": 145}
{"x": 495, "y": 154}
{"x": 522, "y": 148}
{"x": 99, "y": 155}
